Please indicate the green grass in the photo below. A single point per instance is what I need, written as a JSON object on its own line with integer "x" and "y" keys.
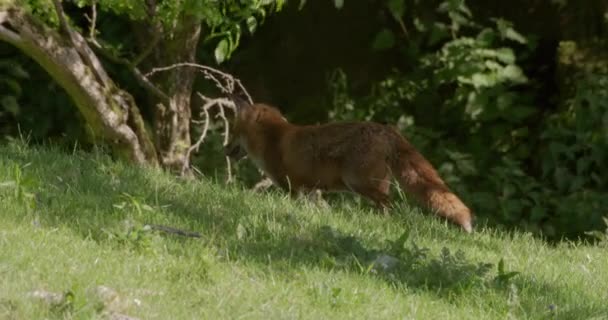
{"x": 73, "y": 222}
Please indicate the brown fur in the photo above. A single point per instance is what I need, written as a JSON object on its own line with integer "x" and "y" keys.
{"x": 356, "y": 156}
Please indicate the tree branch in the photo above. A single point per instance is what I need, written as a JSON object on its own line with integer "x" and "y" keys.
{"x": 81, "y": 46}
{"x": 148, "y": 50}
{"x": 231, "y": 81}
{"x": 132, "y": 66}
{"x": 228, "y": 86}
{"x": 92, "y": 19}
{"x": 7, "y": 34}
{"x": 139, "y": 76}
{"x": 77, "y": 69}
{"x": 220, "y": 103}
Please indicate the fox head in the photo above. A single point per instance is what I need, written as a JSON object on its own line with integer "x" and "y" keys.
{"x": 248, "y": 127}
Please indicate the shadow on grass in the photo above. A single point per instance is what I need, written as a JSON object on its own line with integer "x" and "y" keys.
{"x": 89, "y": 196}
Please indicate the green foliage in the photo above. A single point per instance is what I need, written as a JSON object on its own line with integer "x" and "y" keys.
{"x": 227, "y": 18}
{"x": 601, "y": 237}
{"x": 31, "y": 104}
{"x": 224, "y": 19}
{"x": 11, "y": 76}
{"x": 42, "y": 9}
{"x": 468, "y": 105}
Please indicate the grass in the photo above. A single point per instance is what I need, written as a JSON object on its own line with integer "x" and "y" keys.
{"x": 70, "y": 223}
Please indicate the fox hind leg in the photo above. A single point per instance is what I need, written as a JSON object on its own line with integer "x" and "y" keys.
{"x": 373, "y": 187}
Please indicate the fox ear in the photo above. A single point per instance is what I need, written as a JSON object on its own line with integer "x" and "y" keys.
{"x": 239, "y": 102}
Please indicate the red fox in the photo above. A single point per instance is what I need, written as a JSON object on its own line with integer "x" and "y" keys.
{"x": 358, "y": 156}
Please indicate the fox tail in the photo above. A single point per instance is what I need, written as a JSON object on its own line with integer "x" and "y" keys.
{"x": 418, "y": 177}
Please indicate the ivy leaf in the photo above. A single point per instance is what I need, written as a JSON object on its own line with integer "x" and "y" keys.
{"x": 221, "y": 51}
{"x": 384, "y": 40}
{"x": 252, "y": 24}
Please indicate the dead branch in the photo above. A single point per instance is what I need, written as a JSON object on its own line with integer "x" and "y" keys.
{"x": 92, "y": 20}
{"x": 226, "y": 83}
{"x": 263, "y": 185}
{"x": 221, "y": 104}
{"x": 231, "y": 81}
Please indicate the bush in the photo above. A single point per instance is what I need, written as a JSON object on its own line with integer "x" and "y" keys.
{"x": 468, "y": 105}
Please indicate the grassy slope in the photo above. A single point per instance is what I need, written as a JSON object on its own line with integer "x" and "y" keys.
{"x": 261, "y": 255}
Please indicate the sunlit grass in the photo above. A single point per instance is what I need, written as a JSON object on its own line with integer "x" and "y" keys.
{"x": 76, "y": 222}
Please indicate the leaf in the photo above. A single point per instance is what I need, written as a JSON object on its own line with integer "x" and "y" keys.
{"x": 302, "y": 3}
{"x": 10, "y": 104}
{"x": 397, "y": 8}
{"x": 501, "y": 266}
{"x": 486, "y": 37}
{"x": 511, "y": 34}
{"x": 339, "y": 4}
{"x": 506, "y": 30}
{"x": 479, "y": 80}
{"x": 505, "y": 55}
{"x": 221, "y": 51}
{"x": 18, "y": 71}
{"x": 14, "y": 86}
{"x": 384, "y": 40}
{"x": 514, "y": 73}
{"x": 252, "y": 24}
{"x": 505, "y": 277}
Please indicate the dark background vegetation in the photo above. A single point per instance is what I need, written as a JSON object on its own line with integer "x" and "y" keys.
{"x": 508, "y": 99}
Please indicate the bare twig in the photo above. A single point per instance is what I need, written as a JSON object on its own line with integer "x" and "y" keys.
{"x": 403, "y": 28}
{"x": 262, "y": 184}
{"x": 222, "y": 115}
{"x": 231, "y": 81}
{"x": 92, "y": 20}
{"x": 226, "y": 83}
{"x": 221, "y": 104}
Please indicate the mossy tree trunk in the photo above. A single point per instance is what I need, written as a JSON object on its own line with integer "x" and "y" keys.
{"x": 110, "y": 112}
{"x": 172, "y": 117}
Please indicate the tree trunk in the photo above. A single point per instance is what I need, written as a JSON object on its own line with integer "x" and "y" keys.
{"x": 110, "y": 112}
{"x": 172, "y": 120}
